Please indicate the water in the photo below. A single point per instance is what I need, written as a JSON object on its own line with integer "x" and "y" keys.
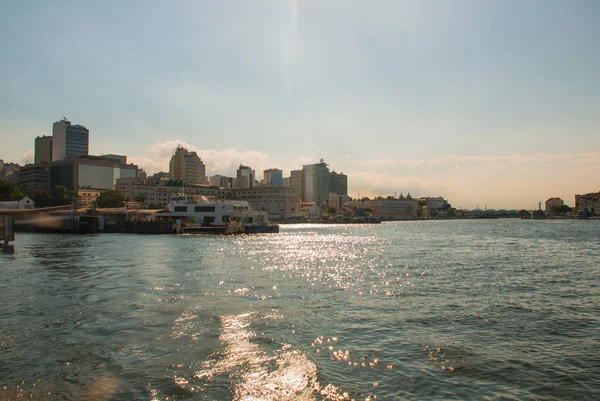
{"x": 486, "y": 309}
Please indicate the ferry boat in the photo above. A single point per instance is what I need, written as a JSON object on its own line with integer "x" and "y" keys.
{"x": 203, "y": 214}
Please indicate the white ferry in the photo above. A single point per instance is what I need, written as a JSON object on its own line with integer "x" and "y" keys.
{"x": 203, "y": 214}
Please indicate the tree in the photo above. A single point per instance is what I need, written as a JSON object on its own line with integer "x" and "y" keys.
{"x": 524, "y": 214}
{"x": 8, "y": 190}
{"x": 365, "y": 198}
{"x": 59, "y": 196}
{"x": 41, "y": 198}
{"x": 560, "y": 209}
{"x": 451, "y": 213}
{"x": 110, "y": 198}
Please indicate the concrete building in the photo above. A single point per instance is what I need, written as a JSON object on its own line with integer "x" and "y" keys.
{"x": 589, "y": 202}
{"x": 315, "y": 182}
{"x": 338, "y": 201}
{"x": 43, "y": 150}
{"x": 160, "y": 194}
{"x": 118, "y": 158}
{"x": 87, "y": 195}
{"x": 278, "y": 202}
{"x": 245, "y": 177}
{"x": 221, "y": 181}
{"x": 69, "y": 140}
{"x": 296, "y": 181}
{"x": 391, "y": 208}
{"x": 273, "y": 176}
{"x": 87, "y": 171}
{"x": 187, "y": 166}
{"x": 17, "y": 203}
{"x": 434, "y": 202}
{"x": 338, "y": 183}
{"x": 34, "y": 177}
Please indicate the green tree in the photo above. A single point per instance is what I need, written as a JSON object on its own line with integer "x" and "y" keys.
{"x": 110, "y": 198}
{"x": 41, "y": 198}
{"x": 139, "y": 198}
{"x": 524, "y": 214}
{"x": 59, "y": 196}
{"x": 6, "y": 189}
{"x": 560, "y": 209}
{"x": 451, "y": 213}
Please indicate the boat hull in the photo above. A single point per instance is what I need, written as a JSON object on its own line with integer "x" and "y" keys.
{"x": 259, "y": 229}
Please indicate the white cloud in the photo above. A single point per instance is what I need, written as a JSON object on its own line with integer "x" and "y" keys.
{"x": 28, "y": 157}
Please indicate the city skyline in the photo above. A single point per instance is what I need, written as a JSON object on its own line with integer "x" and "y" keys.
{"x": 478, "y": 102}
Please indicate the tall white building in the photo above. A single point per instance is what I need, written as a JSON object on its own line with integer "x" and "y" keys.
{"x": 69, "y": 140}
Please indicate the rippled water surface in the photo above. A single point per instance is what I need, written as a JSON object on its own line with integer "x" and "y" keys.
{"x": 487, "y": 309}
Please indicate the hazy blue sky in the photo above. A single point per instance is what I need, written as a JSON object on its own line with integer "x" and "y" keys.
{"x": 482, "y": 102}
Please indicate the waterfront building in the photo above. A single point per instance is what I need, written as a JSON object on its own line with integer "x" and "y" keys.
{"x": 315, "y": 182}
{"x": 338, "y": 183}
{"x": 34, "y": 177}
{"x": 89, "y": 195}
{"x": 296, "y": 181}
{"x": 43, "y": 150}
{"x": 390, "y": 208}
{"x": 589, "y": 202}
{"x": 434, "y": 202}
{"x": 69, "y": 140}
{"x": 89, "y": 171}
{"x": 278, "y": 202}
{"x": 160, "y": 194}
{"x": 273, "y": 176}
{"x": 187, "y": 166}
{"x": 245, "y": 177}
{"x": 17, "y": 203}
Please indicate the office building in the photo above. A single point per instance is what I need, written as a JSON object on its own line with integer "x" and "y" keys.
{"x": 338, "y": 183}
{"x": 91, "y": 172}
{"x": 187, "y": 166}
{"x": 278, "y": 202}
{"x": 273, "y": 176}
{"x": 296, "y": 181}
{"x": 69, "y": 140}
{"x": 245, "y": 177}
{"x": 34, "y": 177}
{"x": 315, "y": 182}
{"x": 43, "y": 150}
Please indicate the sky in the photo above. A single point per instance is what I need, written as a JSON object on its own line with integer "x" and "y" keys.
{"x": 486, "y": 103}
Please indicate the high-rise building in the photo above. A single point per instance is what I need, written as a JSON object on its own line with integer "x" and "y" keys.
{"x": 69, "y": 140}
{"x": 338, "y": 183}
{"x": 43, "y": 150}
{"x": 245, "y": 177}
{"x": 187, "y": 166}
{"x": 296, "y": 181}
{"x": 273, "y": 176}
{"x": 315, "y": 182}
